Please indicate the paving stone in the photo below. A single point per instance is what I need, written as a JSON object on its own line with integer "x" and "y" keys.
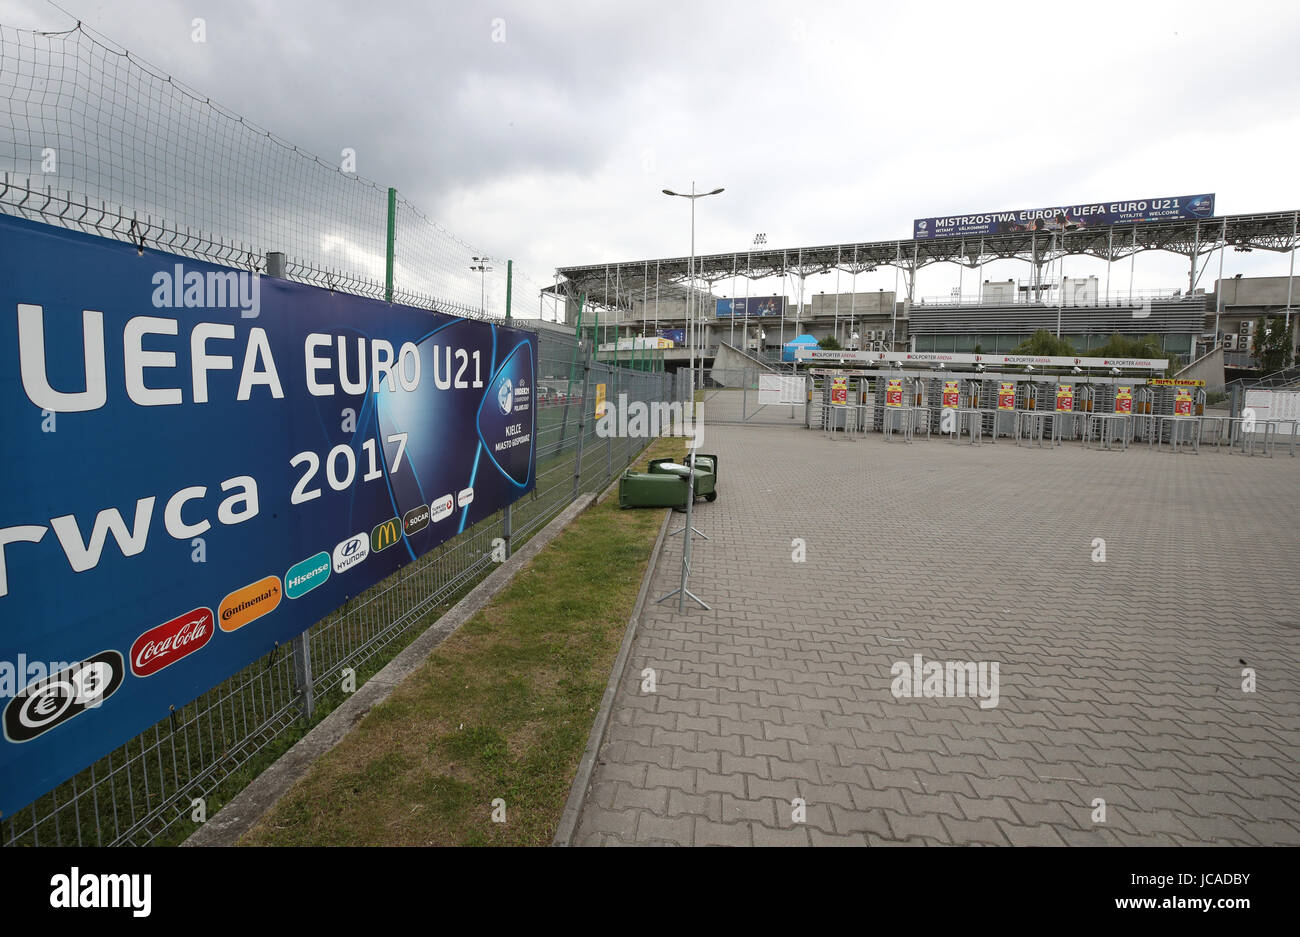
{"x": 708, "y": 833}
{"x": 762, "y": 810}
{"x": 796, "y": 835}
{"x": 974, "y": 831}
{"x": 654, "y": 799}
{"x": 1018, "y": 835}
{"x": 676, "y": 829}
{"x": 1117, "y": 680}
{"x": 860, "y": 821}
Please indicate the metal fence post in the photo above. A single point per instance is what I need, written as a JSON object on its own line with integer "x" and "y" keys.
{"x": 301, "y": 645}
{"x": 627, "y": 436}
{"x": 611, "y": 399}
{"x": 573, "y": 363}
{"x": 582, "y": 423}
{"x": 391, "y": 253}
{"x": 507, "y": 525}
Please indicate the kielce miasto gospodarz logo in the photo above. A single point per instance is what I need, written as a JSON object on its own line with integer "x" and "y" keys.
{"x": 44, "y": 704}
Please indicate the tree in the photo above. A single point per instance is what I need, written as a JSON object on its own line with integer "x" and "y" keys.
{"x": 830, "y": 343}
{"x": 1044, "y": 342}
{"x": 1273, "y": 344}
{"x": 1120, "y": 346}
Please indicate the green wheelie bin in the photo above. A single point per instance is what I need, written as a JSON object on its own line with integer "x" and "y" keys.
{"x": 644, "y": 490}
{"x": 706, "y": 473}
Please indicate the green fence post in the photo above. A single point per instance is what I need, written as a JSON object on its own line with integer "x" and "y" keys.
{"x": 392, "y": 240}
{"x": 507, "y": 516}
{"x": 510, "y": 267}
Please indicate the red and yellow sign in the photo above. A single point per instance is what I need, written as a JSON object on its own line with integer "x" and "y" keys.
{"x": 1183, "y": 402}
{"x": 950, "y": 394}
{"x": 894, "y": 393}
{"x": 840, "y": 391}
{"x": 1064, "y": 398}
{"x": 1006, "y": 395}
{"x": 1123, "y": 399}
{"x": 1174, "y": 382}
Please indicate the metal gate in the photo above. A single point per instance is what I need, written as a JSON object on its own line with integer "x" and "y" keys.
{"x": 737, "y": 395}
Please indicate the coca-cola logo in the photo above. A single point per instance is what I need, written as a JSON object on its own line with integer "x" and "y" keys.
{"x": 166, "y": 644}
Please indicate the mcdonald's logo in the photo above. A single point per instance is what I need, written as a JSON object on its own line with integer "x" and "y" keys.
{"x": 385, "y": 535}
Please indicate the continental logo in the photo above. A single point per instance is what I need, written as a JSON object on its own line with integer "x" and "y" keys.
{"x": 385, "y": 535}
{"x": 249, "y": 603}
{"x": 415, "y": 520}
{"x": 307, "y": 575}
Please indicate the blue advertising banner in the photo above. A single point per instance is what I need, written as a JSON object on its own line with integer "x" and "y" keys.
{"x": 201, "y": 463}
{"x": 751, "y": 307}
{"x": 676, "y": 336}
{"x": 1066, "y": 217}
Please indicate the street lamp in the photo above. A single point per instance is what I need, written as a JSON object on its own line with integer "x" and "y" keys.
{"x": 480, "y": 265}
{"x": 690, "y": 338}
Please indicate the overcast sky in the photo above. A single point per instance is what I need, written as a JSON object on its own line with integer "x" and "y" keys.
{"x": 826, "y": 122}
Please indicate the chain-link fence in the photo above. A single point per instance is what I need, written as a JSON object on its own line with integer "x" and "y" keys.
{"x": 150, "y": 789}
{"x": 94, "y": 140}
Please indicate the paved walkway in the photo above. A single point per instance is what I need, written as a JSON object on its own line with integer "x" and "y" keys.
{"x": 1119, "y": 681}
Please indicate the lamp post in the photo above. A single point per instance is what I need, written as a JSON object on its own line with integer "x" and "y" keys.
{"x": 760, "y": 240}
{"x": 480, "y": 265}
{"x": 690, "y": 338}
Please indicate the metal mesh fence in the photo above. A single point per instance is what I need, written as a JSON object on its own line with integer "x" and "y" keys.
{"x": 147, "y": 791}
{"x": 93, "y": 139}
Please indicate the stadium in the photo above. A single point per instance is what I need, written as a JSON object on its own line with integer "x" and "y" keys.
{"x": 511, "y": 502}
{"x": 1188, "y": 323}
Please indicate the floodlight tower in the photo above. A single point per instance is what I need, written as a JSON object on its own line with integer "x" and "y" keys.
{"x": 481, "y": 267}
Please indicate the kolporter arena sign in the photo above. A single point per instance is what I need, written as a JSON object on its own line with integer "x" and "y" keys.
{"x": 200, "y": 463}
{"x": 1066, "y": 217}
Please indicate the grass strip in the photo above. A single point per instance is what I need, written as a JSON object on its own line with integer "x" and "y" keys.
{"x": 501, "y": 710}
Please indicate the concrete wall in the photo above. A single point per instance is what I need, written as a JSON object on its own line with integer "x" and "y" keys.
{"x": 878, "y": 303}
{"x": 731, "y": 364}
{"x": 1258, "y": 291}
{"x": 1207, "y": 368}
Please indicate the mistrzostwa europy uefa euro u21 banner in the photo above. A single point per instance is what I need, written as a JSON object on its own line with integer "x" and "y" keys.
{"x": 199, "y": 463}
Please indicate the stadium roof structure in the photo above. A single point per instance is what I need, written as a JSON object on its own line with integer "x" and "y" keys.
{"x": 618, "y": 284}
